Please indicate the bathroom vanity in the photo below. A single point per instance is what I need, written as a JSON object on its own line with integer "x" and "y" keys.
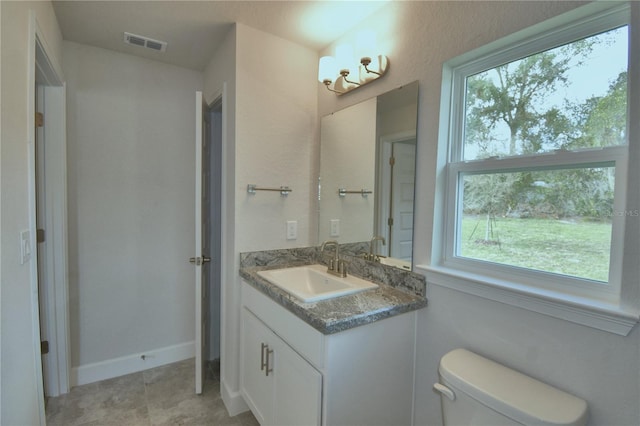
{"x": 346, "y": 360}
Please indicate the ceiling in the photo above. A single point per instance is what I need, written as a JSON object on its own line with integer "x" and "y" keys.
{"x": 194, "y": 29}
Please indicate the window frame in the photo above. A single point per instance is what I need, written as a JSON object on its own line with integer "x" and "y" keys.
{"x": 611, "y": 156}
{"x": 575, "y": 299}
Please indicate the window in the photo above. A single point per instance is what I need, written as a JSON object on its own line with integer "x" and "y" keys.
{"x": 535, "y": 191}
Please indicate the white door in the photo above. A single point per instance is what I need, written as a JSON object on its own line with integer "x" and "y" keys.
{"x": 401, "y": 234}
{"x": 201, "y": 259}
{"x": 256, "y": 386}
{"x": 297, "y": 388}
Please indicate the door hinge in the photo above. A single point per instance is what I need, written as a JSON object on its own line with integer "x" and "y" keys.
{"x": 40, "y": 235}
{"x": 39, "y": 119}
{"x": 44, "y": 347}
{"x": 390, "y": 221}
{"x": 392, "y": 161}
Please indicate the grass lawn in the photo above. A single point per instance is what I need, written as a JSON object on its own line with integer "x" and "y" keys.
{"x": 570, "y": 247}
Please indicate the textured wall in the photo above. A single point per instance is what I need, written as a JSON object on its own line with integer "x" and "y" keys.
{"x": 271, "y": 134}
{"x": 275, "y": 127}
{"x": 131, "y": 134}
{"x": 20, "y": 399}
{"x": 418, "y": 37}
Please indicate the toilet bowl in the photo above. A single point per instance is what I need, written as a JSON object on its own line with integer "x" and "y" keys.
{"x": 477, "y": 391}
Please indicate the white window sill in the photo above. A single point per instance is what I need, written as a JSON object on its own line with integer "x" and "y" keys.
{"x": 602, "y": 316}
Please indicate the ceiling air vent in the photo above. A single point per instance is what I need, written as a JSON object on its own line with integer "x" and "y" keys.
{"x": 149, "y": 43}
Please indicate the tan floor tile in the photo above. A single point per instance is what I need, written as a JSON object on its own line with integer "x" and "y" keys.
{"x": 160, "y": 396}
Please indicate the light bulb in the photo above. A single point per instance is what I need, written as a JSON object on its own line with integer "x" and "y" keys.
{"x": 344, "y": 57}
{"x": 366, "y": 45}
{"x": 327, "y": 69}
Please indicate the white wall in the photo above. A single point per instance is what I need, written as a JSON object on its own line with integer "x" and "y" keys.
{"x": 600, "y": 367}
{"x": 275, "y": 133}
{"x": 219, "y": 77}
{"x": 19, "y": 386}
{"x": 271, "y": 134}
{"x": 398, "y": 120}
{"x": 1, "y": 404}
{"x": 131, "y": 133}
{"x": 0, "y": 214}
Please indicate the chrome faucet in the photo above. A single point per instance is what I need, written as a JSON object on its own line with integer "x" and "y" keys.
{"x": 371, "y": 255}
{"x": 336, "y": 266}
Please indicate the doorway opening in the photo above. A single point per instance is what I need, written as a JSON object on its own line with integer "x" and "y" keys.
{"x": 213, "y": 132}
{"x": 208, "y": 241}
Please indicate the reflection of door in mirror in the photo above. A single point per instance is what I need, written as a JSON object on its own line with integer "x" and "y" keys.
{"x": 396, "y": 124}
{"x": 397, "y": 172}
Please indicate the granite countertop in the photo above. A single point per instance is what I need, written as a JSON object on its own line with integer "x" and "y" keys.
{"x": 340, "y": 313}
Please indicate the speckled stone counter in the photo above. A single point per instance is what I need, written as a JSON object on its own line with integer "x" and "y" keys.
{"x": 399, "y": 291}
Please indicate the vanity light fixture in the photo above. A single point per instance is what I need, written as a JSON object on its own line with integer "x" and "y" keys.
{"x": 339, "y": 69}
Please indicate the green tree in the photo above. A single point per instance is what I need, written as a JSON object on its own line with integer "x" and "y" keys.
{"x": 511, "y": 100}
{"x": 514, "y": 95}
{"x": 602, "y": 120}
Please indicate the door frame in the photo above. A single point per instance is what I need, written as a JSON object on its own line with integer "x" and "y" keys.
{"x": 43, "y": 64}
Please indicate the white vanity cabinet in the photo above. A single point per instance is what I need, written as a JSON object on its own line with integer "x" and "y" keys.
{"x": 363, "y": 375}
{"x": 281, "y": 387}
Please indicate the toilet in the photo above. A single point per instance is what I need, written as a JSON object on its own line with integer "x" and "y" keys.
{"x": 477, "y": 391}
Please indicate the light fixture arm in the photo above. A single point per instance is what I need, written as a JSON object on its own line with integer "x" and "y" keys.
{"x": 366, "y": 61}
{"x": 345, "y": 73}
{"x": 327, "y": 83}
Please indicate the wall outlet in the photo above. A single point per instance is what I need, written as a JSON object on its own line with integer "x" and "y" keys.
{"x": 292, "y": 229}
{"x": 335, "y": 228}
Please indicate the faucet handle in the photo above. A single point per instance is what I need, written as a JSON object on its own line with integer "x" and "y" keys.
{"x": 342, "y": 268}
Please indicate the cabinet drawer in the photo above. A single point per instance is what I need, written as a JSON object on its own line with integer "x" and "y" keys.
{"x": 306, "y": 340}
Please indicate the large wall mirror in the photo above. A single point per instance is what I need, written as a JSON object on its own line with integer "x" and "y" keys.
{"x": 367, "y": 174}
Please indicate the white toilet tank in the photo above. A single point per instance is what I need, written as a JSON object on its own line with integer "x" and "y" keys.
{"x": 478, "y": 391}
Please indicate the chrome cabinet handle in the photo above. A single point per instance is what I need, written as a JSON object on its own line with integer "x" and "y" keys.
{"x": 264, "y": 359}
{"x": 266, "y": 364}
{"x": 206, "y": 259}
{"x": 262, "y": 363}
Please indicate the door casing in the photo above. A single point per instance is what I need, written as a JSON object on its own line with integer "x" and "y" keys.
{"x": 46, "y": 72}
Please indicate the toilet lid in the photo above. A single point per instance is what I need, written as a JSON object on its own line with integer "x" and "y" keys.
{"x": 509, "y": 392}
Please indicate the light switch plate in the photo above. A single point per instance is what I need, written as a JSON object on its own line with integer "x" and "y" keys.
{"x": 292, "y": 229}
{"x": 335, "y": 228}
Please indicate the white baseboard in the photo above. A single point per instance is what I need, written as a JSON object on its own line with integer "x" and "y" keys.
{"x": 233, "y": 401}
{"x": 133, "y": 363}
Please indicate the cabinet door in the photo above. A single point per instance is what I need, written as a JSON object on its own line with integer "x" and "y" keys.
{"x": 298, "y": 388}
{"x": 256, "y": 386}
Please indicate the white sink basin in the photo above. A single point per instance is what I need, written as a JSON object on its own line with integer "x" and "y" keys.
{"x": 312, "y": 283}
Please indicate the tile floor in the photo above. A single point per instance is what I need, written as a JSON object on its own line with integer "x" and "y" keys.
{"x": 159, "y": 396}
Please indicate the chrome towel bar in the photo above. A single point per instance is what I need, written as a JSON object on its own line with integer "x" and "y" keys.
{"x": 364, "y": 192}
{"x": 283, "y": 190}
